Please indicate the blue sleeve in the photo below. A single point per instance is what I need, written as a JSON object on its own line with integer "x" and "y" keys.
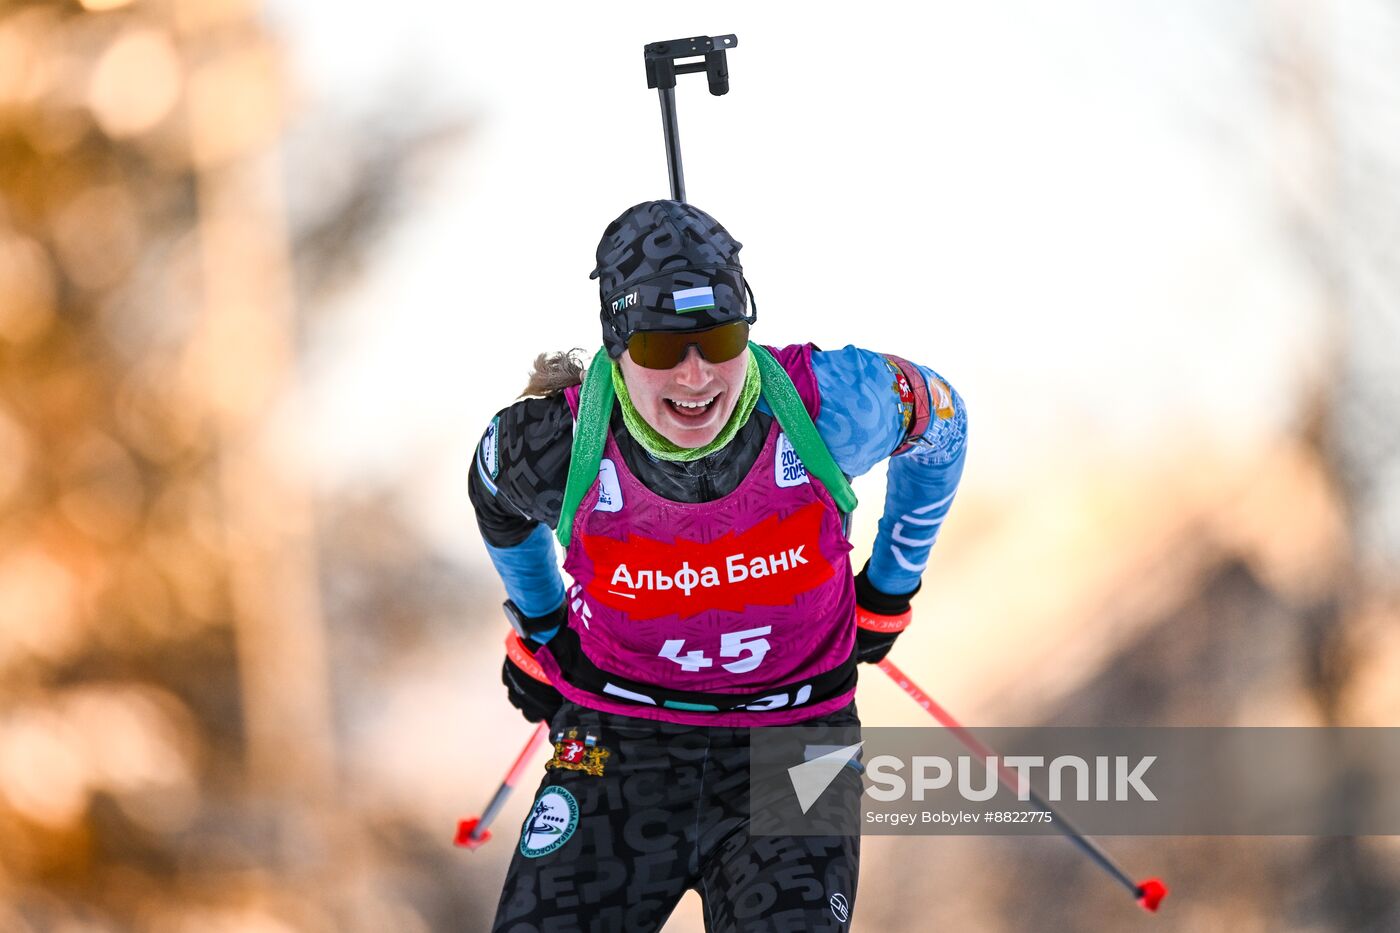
{"x": 862, "y": 421}
{"x": 530, "y": 573}
{"x": 919, "y": 491}
{"x": 516, "y": 480}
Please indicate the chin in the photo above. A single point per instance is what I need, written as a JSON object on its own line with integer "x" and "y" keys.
{"x": 688, "y": 437}
{"x": 691, "y": 438}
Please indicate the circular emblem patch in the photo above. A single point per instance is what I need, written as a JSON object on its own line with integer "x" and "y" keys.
{"x": 550, "y": 823}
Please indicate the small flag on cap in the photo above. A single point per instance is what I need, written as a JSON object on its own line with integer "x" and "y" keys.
{"x": 694, "y": 299}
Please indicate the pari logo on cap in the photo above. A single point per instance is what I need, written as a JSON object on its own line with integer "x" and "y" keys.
{"x": 694, "y": 299}
{"x": 625, "y": 302}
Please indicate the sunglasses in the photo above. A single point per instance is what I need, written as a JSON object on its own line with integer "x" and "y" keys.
{"x": 662, "y": 349}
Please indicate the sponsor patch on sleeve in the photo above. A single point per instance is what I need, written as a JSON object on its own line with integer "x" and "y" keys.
{"x": 488, "y": 461}
{"x": 903, "y": 391}
{"x": 942, "y": 399}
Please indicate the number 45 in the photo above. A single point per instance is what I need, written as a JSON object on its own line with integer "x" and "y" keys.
{"x": 731, "y": 645}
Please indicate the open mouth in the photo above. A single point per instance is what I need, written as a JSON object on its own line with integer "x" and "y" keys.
{"x": 691, "y": 408}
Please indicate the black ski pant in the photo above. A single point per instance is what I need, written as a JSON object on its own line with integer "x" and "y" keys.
{"x": 669, "y": 813}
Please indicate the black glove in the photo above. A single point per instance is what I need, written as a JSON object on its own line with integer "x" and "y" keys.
{"x": 872, "y": 646}
{"x": 537, "y": 701}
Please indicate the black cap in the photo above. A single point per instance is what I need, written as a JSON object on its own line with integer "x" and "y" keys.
{"x": 667, "y": 265}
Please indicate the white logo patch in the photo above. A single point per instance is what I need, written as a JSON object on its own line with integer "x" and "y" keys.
{"x": 839, "y": 908}
{"x": 788, "y": 469}
{"x": 609, "y": 489}
{"x": 550, "y": 823}
{"x": 488, "y": 461}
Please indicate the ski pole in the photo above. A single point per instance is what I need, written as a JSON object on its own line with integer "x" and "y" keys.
{"x": 1148, "y": 893}
{"x": 472, "y": 833}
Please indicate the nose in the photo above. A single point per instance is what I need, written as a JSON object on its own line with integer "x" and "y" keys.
{"x": 693, "y": 371}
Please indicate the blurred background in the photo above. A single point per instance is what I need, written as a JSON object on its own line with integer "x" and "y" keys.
{"x": 268, "y": 269}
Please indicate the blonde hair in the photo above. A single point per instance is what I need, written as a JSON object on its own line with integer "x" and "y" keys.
{"x": 554, "y": 372}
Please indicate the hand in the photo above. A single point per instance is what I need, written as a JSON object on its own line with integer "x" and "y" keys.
{"x": 880, "y": 617}
{"x": 537, "y": 701}
{"x": 527, "y": 688}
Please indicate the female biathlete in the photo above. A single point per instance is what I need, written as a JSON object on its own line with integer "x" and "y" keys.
{"x": 712, "y": 590}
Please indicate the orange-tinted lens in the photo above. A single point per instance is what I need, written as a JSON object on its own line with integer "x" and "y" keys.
{"x": 664, "y": 349}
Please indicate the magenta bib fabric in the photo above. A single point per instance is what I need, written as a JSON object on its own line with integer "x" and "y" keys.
{"x": 749, "y": 594}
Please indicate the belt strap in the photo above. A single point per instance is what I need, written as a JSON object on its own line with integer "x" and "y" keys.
{"x": 579, "y": 671}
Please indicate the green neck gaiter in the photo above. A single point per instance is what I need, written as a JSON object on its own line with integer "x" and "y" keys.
{"x": 656, "y": 445}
